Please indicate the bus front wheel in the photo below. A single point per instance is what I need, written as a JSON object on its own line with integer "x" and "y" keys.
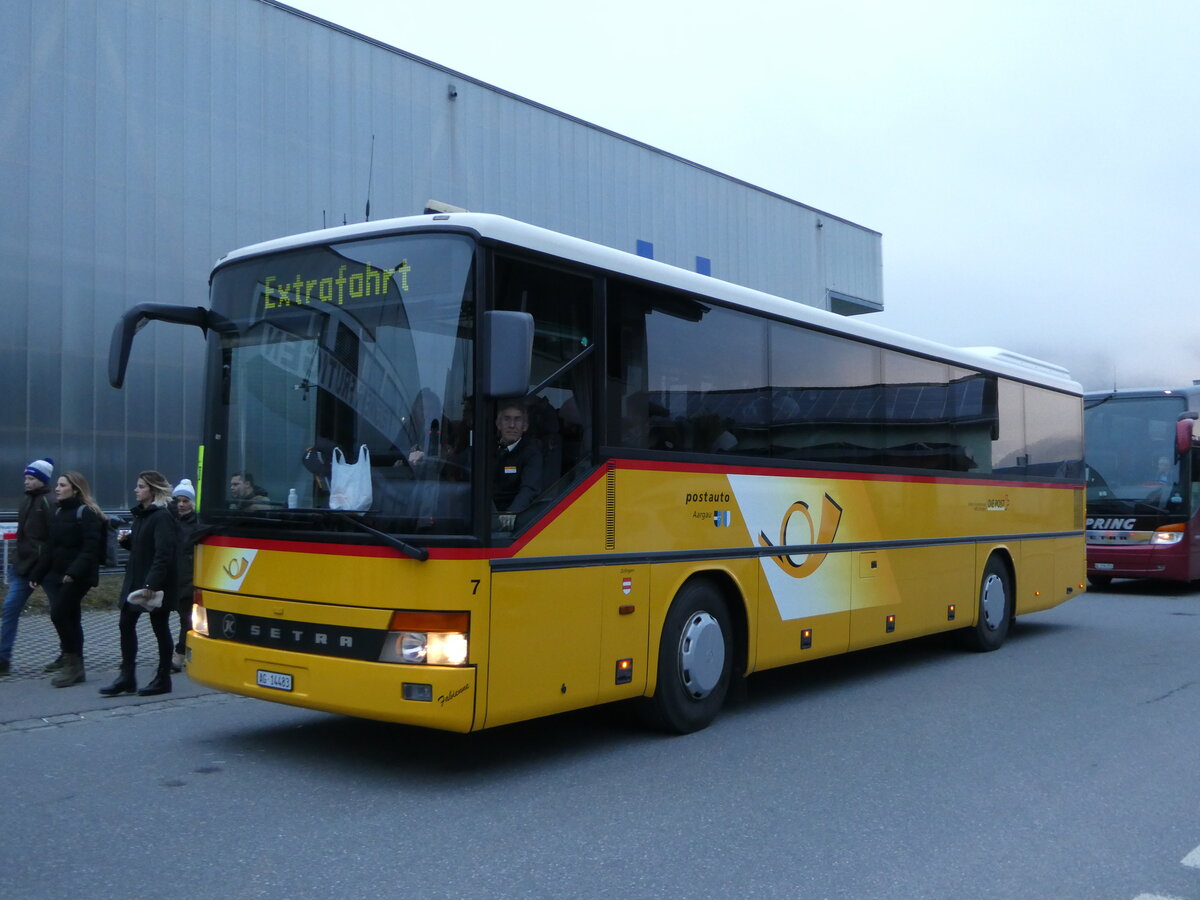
{"x": 695, "y": 660}
{"x": 995, "y": 608}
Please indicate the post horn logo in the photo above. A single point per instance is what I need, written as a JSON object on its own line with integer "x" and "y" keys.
{"x": 236, "y": 568}
{"x": 831, "y": 517}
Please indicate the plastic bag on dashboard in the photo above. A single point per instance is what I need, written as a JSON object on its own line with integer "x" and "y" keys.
{"x": 350, "y": 483}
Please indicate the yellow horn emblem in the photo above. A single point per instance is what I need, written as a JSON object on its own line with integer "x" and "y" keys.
{"x": 831, "y": 517}
{"x": 236, "y": 568}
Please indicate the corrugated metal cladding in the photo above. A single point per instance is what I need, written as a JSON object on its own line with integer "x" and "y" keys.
{"x": 140, "y": 140}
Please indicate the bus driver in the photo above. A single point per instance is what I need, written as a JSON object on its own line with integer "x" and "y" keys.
{"x": 518, "y": 467}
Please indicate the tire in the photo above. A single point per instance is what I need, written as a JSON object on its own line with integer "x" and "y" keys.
{"x": 1099, "y": 581}
{"x": 995, "y": 609}
{"x": 695, "y": 660}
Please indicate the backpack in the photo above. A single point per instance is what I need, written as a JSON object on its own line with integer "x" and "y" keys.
{"x": 109, "y": 539}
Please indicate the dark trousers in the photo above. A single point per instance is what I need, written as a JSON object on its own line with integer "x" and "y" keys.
{"x": 160, "y": 621}
{"x": 66, "y": 601}
{"x": 185, "y": 621}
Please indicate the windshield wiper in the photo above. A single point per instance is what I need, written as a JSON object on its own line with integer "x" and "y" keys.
{"x": 420, "y": 554}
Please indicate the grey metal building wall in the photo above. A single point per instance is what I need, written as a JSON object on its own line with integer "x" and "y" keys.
{"x": 140, "y": 140}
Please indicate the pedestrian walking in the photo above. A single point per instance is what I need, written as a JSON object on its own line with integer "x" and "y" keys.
{"x": 33, "y": 530}
{"x": 184, "y": 505}
{"x": 150, "y": 573}
{"x": 70, "y": 568}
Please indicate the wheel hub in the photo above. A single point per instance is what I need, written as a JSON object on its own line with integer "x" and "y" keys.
{"x": 993, "y": 601}
{"x": 701, "y": 655}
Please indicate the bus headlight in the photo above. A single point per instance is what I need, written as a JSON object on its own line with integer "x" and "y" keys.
{"x": 433, "y": 639}
{"x": 433, "y": 648}
{"x": 199, "y": 619}
{"x": 1163, "y": 536}
{"x": 413, "y": 646}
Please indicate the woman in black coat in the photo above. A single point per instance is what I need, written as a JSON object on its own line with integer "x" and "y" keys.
{"x": 149, "y": 571}
{"x": 70, "y": 567}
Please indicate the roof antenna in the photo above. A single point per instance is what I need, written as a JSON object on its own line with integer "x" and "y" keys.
{"x": 370, "y": 175}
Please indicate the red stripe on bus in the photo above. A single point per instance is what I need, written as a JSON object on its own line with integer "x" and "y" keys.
{"x": 481, "y": 553}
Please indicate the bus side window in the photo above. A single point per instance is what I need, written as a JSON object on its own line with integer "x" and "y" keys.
{"x": 560, "y": 302}
{"x": 545, "y": 426}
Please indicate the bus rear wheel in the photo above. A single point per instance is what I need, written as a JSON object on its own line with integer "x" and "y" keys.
{"x": 695, "y": 660}
{"x": 995, "y": 608}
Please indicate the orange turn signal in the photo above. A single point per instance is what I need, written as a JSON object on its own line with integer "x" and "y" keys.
{"x": 420, "y": 620}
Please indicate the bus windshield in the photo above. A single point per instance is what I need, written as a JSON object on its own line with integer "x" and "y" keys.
{"x": 1131, "y": 454}
{"x": 333, "y": 354}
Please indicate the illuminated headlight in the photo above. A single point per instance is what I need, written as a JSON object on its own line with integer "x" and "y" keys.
{"x": 413, "y": 646}
{"x": 199, "y": 619}
{"x": 418, "y": 638}
{"x": 1167, "y": 537}
{"x": 433, "y": 648}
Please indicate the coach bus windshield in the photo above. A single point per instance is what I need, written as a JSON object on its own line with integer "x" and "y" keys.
{"x": 1131, "y": 454}
{"x": 345, "y": 383}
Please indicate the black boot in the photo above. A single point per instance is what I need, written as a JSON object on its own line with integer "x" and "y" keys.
{"x": 71, "y": 671}
{"x": 160, "y": 684}
{"x": 126, "y": 683}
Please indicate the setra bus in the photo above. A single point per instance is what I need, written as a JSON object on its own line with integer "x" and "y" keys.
{"x": 1143, "y": 484}
{"x": 727, "y": 481}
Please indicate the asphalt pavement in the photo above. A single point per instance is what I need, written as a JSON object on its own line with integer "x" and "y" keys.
{"x": 27, "y": 697}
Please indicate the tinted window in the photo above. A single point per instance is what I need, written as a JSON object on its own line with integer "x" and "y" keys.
{"x": 685, "y": 375}
{"x": 826, "y": 404}
{"x": 1053, "y": 433}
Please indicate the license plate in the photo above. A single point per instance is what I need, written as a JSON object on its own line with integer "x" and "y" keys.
{"x": 276, "y": 681}
{"x": 1104, "y": 565}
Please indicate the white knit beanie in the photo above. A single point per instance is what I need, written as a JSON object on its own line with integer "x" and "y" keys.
{"x": 185, "y": 489}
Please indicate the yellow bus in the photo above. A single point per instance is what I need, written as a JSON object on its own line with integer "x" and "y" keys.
{"x": 713, "y": 482}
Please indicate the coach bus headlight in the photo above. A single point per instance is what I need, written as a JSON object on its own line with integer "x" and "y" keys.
{"x": 199, "y": 616}
{"x": 1168, "y": 534}
{"x": 447, "y": 649}
{"x": 434, "y": 648}
{"x": 413, "y": 646}
{"x": 443, "y": 641}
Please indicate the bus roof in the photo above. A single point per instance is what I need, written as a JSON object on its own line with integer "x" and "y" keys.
{"x": 1190, "y": 392}
{"x": 541, "y": 240}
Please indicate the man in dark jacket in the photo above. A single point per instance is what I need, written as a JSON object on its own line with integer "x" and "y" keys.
{"x": 246, "y": 494}
{"x": 518, "y": 467}
{"x": 33, "y": 531}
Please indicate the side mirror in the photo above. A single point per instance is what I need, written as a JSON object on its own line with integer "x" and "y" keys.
{"x": 136, "y": 318}
{"x": 508, "y": 352}
{"x": 1184, "y": 434}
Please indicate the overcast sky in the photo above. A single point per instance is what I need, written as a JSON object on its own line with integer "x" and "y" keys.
{"x": 1031, "y": 164}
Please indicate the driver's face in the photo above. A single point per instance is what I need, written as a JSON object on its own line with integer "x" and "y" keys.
{"x": 511, "y": 424}
{"x": 238, "y": 487}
